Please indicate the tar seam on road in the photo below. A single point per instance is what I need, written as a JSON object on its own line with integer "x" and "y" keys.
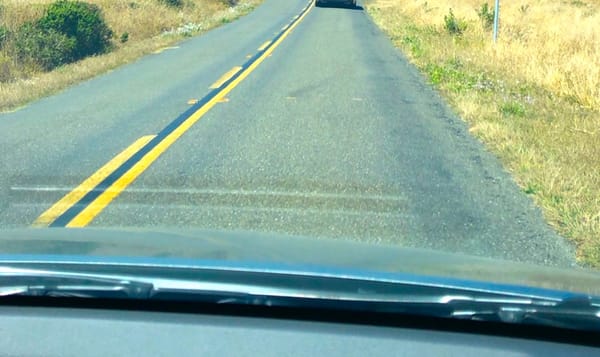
{"x": 81, "y": 212}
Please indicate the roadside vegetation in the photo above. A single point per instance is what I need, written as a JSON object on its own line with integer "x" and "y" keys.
{"x": 533, "y": 97}
{"x": 47, "y": 45}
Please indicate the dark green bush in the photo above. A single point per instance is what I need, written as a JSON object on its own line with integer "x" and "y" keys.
{"x": 68, "y": 31}
{"x": 124, "y": 37}
{"x": 173, "y": 3}
{"x": 453, "y": 25}
{"x": 80, "y": 21}
{"x": 45, "y": 48}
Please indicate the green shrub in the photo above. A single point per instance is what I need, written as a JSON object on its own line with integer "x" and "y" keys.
{"x": 451, "y": 75}
{"x": 68, "y": 31}
{"x": 4, "y": 33}
{"x": 414, "y": 44}
{"x": 124, "y": 37}
{"x": 45, "y": 48}
{"x": 453, "y": 25}
{"x": 512, "y": 109}
{"x": 80, "y": 21}
{"x": 173, "y": 3}
{"x": 486, "y": 15}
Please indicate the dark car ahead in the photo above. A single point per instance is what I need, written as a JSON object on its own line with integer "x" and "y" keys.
{"x": 335, "y": 2}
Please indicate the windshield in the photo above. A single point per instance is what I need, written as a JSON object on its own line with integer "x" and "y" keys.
{"x": 440, "y": 137}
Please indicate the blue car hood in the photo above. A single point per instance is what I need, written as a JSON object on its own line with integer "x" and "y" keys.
{"x": 137, "y": 246}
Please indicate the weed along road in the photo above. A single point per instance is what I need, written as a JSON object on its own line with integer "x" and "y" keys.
{"x": 293, "y": 119}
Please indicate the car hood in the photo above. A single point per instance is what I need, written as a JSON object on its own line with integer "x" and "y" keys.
{"x": 289, "y": 250}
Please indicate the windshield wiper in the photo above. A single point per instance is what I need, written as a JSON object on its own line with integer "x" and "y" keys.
{"x": 25, "y": 282}
{"x": 314, "y": 292}
{"x": 579, "y": 312}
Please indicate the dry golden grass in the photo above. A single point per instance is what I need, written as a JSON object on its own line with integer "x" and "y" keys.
{"x": 550, "y": 43}
{"x": 145, "y": 22}
{"x": 533, "y": 98}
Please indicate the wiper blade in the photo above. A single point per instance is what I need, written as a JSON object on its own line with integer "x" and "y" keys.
{"x": 25, "y": 282}
{"x": 287, "y": 289}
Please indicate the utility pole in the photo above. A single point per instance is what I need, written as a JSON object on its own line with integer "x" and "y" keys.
{"x": 496, "y": 19}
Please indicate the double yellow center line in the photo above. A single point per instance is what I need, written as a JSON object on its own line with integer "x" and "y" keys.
{"x": 80, "y": 206}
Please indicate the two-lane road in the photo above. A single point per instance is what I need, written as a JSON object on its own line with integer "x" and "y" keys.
{"x": 317, "y": 127}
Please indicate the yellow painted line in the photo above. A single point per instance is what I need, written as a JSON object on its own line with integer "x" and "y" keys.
{"x": 106, "y": 197}
{"x": 264, "y": 45}
{"x": 227, "y": 76}
{"x": 86, "y": 186}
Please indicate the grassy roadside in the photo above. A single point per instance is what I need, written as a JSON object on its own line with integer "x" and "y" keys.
{"x": 140, "y": 27}
{"x": 533, "y": 98}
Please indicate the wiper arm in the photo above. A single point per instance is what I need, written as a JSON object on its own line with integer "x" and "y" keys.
{"x": 579, "y": 312}
{"x": 24, "y": 282}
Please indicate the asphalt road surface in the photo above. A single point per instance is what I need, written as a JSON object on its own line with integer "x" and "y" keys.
{"x": 324, "y": 131}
